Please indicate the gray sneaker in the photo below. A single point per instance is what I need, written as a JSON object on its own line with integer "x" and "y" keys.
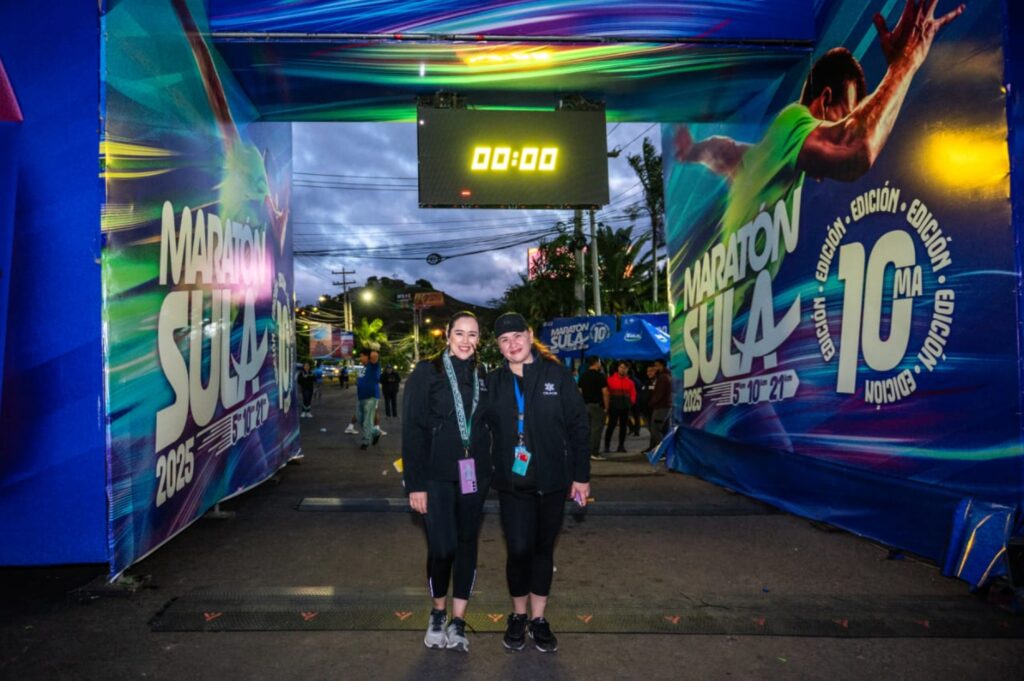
{"x": 436, "y": 637}
{"x": 457, "y": 635}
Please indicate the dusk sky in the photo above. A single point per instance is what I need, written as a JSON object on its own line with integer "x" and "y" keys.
{"x": 354, "y": 187}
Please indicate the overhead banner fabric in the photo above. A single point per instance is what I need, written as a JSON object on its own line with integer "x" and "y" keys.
{"x": 320, "y": 341}
{"x": 844, "y": 323}
{"x": 576, "y": 334}
{"x": 343, "y": 344}
{"x": 658, "y": 320}
{"x": 198, "y": 284}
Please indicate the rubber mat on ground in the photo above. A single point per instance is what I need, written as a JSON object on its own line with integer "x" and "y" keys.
{"x": 736, "y": 505}
{"x": 849, "y": 616}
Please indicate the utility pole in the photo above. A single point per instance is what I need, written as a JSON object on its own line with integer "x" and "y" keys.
{"x": 577, "y": 219}
{"x": 344, "y": 284}
{"x": 593, "y": 263}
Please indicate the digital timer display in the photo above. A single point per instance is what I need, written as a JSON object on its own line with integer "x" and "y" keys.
{"x": 504, "y": 158}
{"x": 511, "y": 159}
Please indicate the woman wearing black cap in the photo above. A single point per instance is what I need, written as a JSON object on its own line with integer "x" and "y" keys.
{"x": 541, "y": 455}
{"x": 447, "y": 469}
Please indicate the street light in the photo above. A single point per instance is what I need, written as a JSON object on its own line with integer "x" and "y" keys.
{"x": 366, "y": 296}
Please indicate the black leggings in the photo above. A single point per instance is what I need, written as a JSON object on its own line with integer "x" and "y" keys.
{"x": 620, "y": 416}
{"x": 453, "y": 526}
{"x": 531, "y": 523}
{"x": 390, "y": 404}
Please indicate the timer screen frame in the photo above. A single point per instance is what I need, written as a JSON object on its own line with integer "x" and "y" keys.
{"x": 511, "y": 159}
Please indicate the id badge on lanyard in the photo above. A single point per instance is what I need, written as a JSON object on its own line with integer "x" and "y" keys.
{"x": 467, "y": 466}
{"x": 520, "y": 455}
{"x": 467, "y": 475}
{"x": 520, "y": 460}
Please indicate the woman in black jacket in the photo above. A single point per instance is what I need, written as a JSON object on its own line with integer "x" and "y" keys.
{"x": 541, "y": 455}
{"x": 447, "y": 470}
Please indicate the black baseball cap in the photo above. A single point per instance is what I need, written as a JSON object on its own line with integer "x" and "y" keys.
{"x": 510, "y": 322}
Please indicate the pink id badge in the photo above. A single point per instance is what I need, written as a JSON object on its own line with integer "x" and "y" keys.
{"x": 467, "y": 475}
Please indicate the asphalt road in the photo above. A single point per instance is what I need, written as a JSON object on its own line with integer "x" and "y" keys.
{"x": 58, "y": 623}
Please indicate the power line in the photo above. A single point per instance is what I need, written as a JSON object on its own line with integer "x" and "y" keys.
{"x": 360, "y": 177}
{"x": 624, "y": 146}
{"x": 360, "y": 187}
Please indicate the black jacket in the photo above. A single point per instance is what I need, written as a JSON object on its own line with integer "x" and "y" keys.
{"x": 306, "y": 380}
{"x": 556, "y": 428}
{"x": 431, "y": 443}
{"x": 389, "y": 382}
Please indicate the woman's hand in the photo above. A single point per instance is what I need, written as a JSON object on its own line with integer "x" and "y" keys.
{"x": 581, "y": 492}
{"x": 418, "y": 502}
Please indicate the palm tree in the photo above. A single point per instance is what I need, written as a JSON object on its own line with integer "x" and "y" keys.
{"x": 624, "y": 272}
{"x": 367, "y": 333}
{"x": 647, "y": 166}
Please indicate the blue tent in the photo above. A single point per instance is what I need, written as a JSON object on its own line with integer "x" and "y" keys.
{"x": 637, "y": 341}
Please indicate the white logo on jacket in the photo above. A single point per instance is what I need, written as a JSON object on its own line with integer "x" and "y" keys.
{"x": 549, "y": 389}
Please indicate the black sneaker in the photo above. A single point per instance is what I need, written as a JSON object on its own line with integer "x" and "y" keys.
{"x": 376, "y": 438}
{"x": 362, "y": 446}
{"x": 540, "y": 632}
{"x": 515, "y": 632}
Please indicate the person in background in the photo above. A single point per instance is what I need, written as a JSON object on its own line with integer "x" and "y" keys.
{"x": 389, "y": 383}
{"x": 622, "y": 397}
{"x": 307, "y": 384}
{"x": 594, "y": 389}
{"x": 643, "y": 396}
{"x": 636, "y": 411}
{"x": 343, "y": 376}
{"x": 540, "y": 454}
{"x": 447, "y": 470}
{"x": 318, "y": 374}
{"x": 660, "y": 404}
{"x": 367, "y": 394}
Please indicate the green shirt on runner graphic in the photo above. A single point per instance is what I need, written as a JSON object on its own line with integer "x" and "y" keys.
{"x": 768, "y": 171}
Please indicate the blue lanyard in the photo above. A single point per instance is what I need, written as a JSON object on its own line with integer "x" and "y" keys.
{"x": 521, "y": 404}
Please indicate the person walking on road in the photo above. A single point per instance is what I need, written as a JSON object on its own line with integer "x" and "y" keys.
{"x": 660, "y": 403}
{"x": 541, "y": 455}
{"x": 389, "y": 382}
{"x": 622, "y": 397}
{"x": 594, "y": 389}
{"x": 307, "y": 384}
{"x": 367, "y": 394}
{"x": 447, "y": 470}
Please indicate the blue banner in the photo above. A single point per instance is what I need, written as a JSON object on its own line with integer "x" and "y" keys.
{"x": 10, "y": 125}
{"x": 575, "y": 334}
{"x": 845, "y": 286}
{"x": 658, "y": 320}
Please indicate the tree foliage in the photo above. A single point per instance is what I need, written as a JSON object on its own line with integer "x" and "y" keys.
{"x": 549, "y": 290}
{"x": 647, "y": 166}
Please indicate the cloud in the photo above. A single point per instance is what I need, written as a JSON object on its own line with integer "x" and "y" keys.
{"x": 355, "y": 189}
